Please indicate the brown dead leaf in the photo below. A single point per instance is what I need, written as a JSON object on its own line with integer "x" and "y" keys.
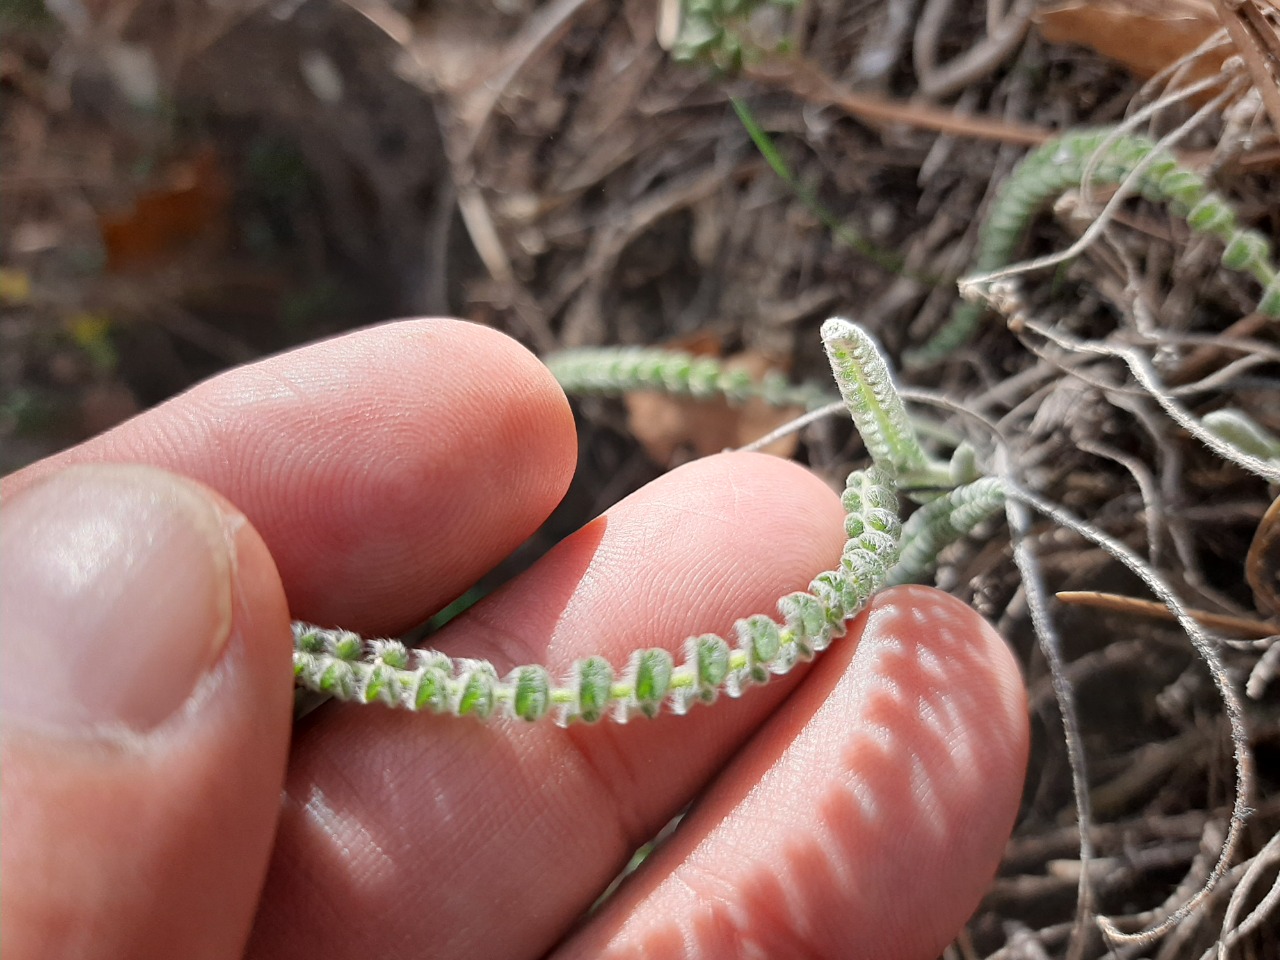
{"x": 667, "y": 425}
{"x": 189, "y": 202}
{"x": 1144, "y": 35}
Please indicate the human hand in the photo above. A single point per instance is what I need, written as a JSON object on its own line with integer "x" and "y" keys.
{"x": 856, "y": 808}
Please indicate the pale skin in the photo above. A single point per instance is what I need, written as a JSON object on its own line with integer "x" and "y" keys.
{"x": 855, "y": 808}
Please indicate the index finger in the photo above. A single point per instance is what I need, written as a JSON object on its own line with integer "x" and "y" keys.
{"x": 387, "y": 470}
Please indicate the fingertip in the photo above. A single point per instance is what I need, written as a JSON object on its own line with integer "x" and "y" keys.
{"x": 792, "y": 517}
{"x": 989, "y": 677}
{"x": 141, "y": 827}
{"x": 405, "y": 461}
{"x": 512, "y": 390}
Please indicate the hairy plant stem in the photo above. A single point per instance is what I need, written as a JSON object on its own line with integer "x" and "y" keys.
{"x": 1101, "y": 158}
{"x": 345, "y": 665}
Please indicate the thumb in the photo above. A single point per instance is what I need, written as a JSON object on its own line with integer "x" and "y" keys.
{"x": 145, "y": 694}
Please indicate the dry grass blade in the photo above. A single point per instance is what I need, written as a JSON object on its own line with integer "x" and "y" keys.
{"x": 810, "y": 83}
{"x": 1255, "y": 41}
{"x": 1246, "y": 626}
{"x": 1006, "y": 26}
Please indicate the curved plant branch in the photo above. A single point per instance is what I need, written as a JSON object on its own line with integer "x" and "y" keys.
{"x": 385, "y": 671}
{"x": 616, "y": 370}
{"x": 1101, "y": 158}
{"x": 349, "y": 667}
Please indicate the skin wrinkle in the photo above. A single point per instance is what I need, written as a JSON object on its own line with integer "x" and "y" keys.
{"x": 607, "y": 760}
{"x": 541, "y": 818}
{"x": 457, "y": 810}
{"x": 358, "y": 851}
{"x": 334, "y": 870}
{"x": 330, "y": 897}
{"x": 718, "y": 900}
{"x": 225, "y": 402}
{"x": 705, "y": 573}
